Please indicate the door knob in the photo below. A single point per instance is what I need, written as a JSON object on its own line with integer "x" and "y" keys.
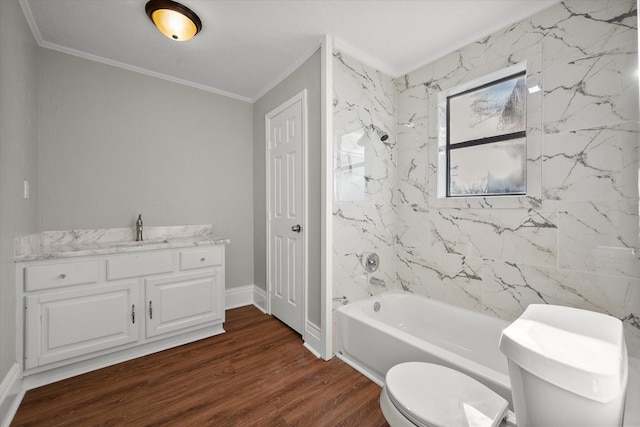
{"x": 296, "y": 228}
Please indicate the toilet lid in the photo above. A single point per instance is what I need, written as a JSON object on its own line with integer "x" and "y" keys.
{"x": 436, "y": 396}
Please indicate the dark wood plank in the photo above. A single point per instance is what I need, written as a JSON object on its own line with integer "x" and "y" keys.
{"x": 256, "y": 374}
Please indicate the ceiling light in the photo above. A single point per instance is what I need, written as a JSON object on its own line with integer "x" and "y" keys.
{"x": 174, "y": 20}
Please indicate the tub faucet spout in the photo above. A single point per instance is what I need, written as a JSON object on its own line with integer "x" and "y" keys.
{"x": 139, "y": 229}
{"x": 342, "y": 300}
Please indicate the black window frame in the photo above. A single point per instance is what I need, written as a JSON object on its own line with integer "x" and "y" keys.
{"x": 480, "y": 141}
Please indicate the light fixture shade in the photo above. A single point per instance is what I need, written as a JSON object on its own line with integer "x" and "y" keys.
{"x": 174, "y": 20}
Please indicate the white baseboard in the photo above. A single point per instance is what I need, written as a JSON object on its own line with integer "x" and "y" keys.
{"x": 260, "y": 298}
{"x": 313, "y": 339}
{"x": 9, "y": 380}
{"x": 238, "y": 297}
{"x": 11, "y": 394}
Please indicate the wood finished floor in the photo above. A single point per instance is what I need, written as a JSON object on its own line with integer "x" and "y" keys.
{"x": 256, "y": 374}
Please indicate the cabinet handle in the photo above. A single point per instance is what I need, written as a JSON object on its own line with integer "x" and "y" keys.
{"x": 62, "y": 276}
{"x": 133, "y": 313}
{"x": 202, "y": 259}
{"x": 150, "y": 310}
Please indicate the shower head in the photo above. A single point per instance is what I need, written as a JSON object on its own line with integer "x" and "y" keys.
{"x": 382, "y": 134}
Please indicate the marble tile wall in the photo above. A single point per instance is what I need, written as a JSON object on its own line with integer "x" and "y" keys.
{"x": 574, "y": 240}
{"x": 364, "y": 207}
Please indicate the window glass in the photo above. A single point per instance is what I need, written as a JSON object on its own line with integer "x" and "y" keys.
{"x": 491, "y": 169}
{"x": 489, "y": 111}
{"x": 486, "y": 139}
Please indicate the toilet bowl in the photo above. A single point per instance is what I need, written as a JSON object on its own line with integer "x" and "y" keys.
{"x": 567, "y": 367}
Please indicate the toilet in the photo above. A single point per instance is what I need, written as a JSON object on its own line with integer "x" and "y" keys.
{"x": 567, "y": 367}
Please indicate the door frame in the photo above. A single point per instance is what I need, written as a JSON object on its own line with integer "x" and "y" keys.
{"x": 302, "y": 98}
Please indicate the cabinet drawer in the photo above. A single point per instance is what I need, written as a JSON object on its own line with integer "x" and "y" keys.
{"x": 39, "y": 277}
{"x": 139, "y": 265}
{"x": 209, "y": 257}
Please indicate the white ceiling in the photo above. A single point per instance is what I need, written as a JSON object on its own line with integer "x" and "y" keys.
{"x": 246, "y": 47}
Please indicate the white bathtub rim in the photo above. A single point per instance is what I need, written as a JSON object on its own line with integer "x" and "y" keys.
{"x": 353, "y": 306}
{"x": 483, "y": 371}
{"x": 356, "y": 313}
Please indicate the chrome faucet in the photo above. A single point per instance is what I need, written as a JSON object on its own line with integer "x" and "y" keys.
{"x": 139, "y": 229}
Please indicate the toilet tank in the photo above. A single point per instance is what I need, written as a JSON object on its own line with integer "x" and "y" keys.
{"x": 567, "y": 367}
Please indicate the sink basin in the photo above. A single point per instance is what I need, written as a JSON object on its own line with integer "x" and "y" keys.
{"x": 140, "y": 244}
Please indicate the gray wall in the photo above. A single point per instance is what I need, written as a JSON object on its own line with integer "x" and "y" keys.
{"x": 307, "y": 76}
{"x": 115, "y": 143}
{"x": 18, "y": 158}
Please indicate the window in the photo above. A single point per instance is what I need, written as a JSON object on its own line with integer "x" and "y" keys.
{"x": 486, "y": 138}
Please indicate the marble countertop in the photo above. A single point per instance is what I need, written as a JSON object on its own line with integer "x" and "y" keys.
{"x": 77, "y": 243}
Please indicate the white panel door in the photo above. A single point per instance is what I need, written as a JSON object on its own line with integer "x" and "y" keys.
{"x": 286, "y": 228}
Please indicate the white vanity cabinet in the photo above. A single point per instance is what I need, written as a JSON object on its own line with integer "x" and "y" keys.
{"x": 114, "y": 307}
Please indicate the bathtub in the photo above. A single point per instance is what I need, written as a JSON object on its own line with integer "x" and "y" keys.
{"x": 408, "y": 327}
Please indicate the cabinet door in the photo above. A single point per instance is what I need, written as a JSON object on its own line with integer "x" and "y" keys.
{"x": 66, "y": 324}
{"x": 183, "y": 301}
